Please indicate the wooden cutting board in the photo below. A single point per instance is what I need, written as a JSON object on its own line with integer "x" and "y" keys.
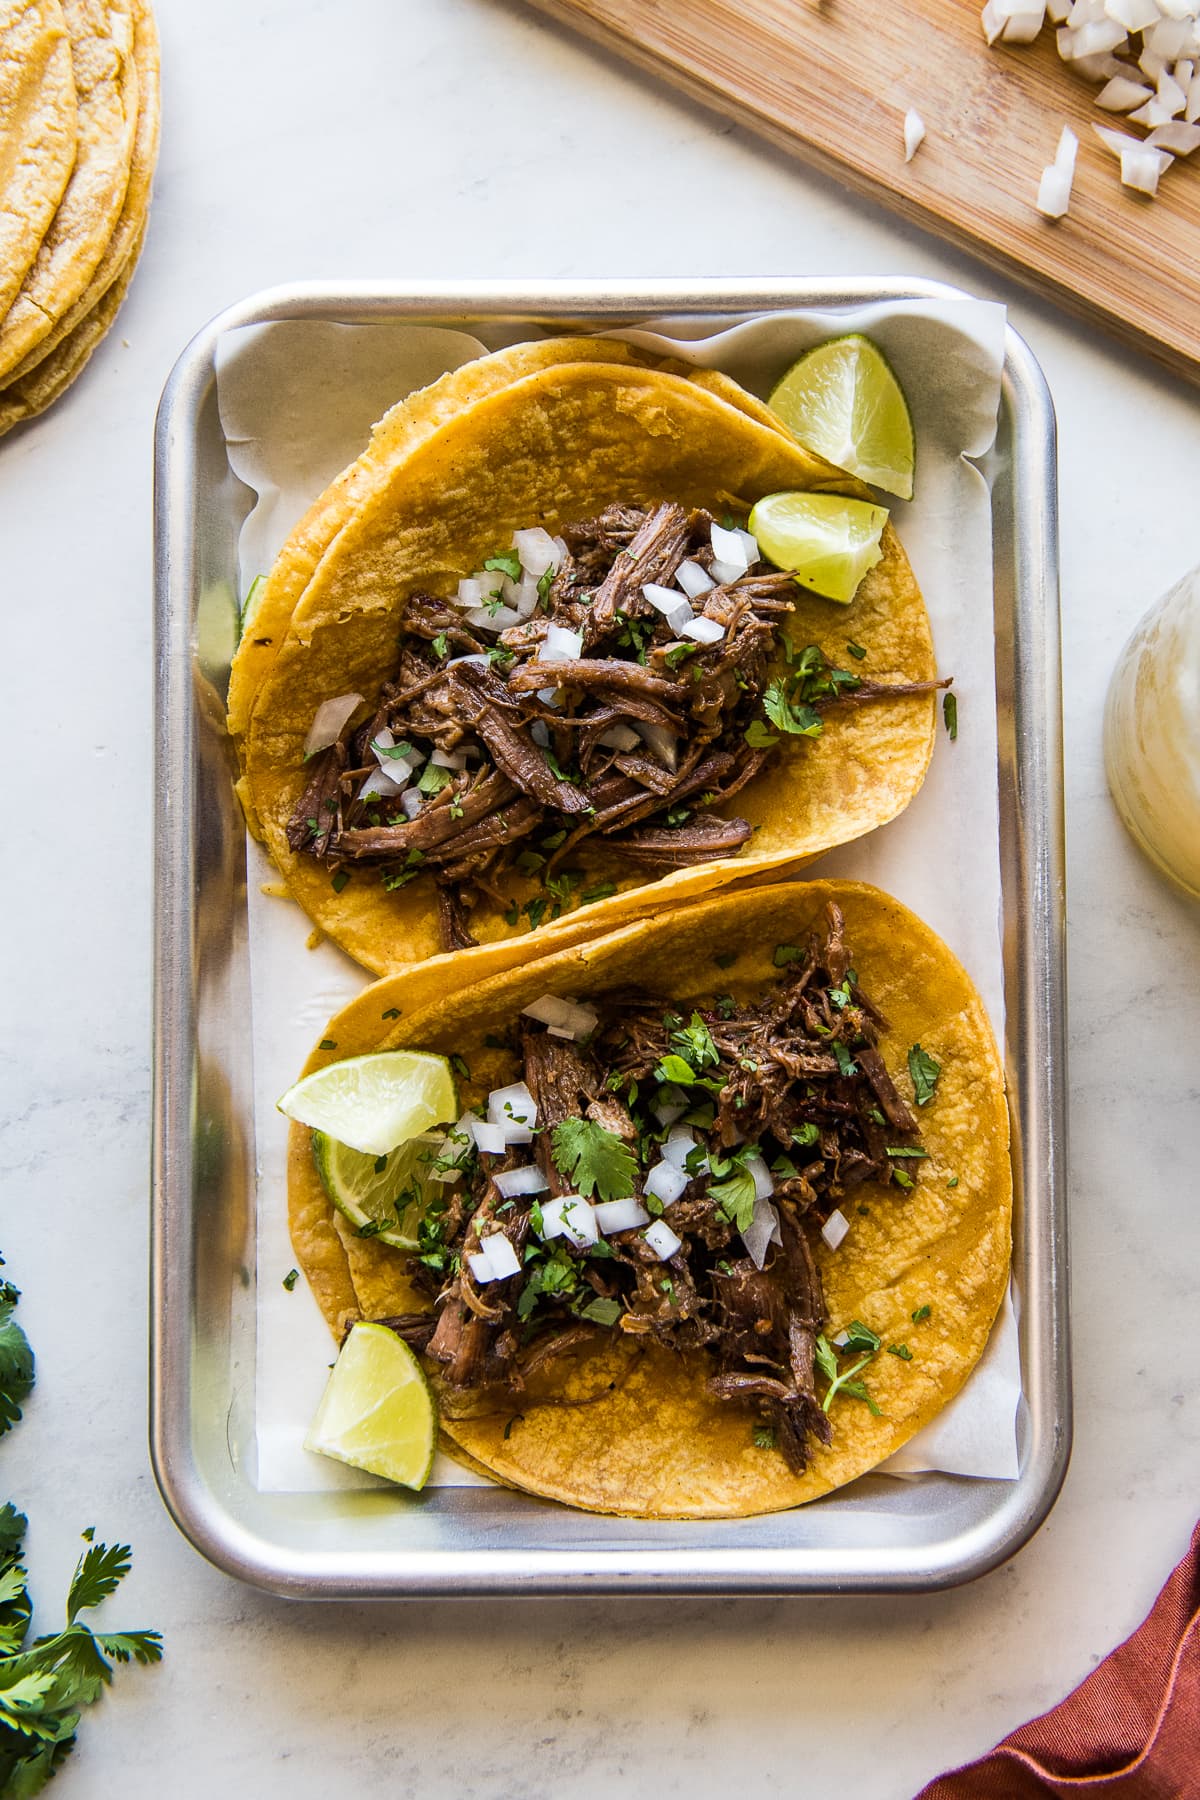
{"x": 831, "y": 80}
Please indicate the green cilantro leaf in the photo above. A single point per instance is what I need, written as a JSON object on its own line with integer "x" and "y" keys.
{"x": 735, "y": 1197}
{"x": 505, "y": 562}
{"x": 845, "y": 1062}
{"x": 856, "y": 651}
{"x": 950, "y": 714}
{"x": 900, "y": 1350}
{"x": 785, "y": 954}
{"x": 433, "y": 779}
{"x": 758, "y": 737}
{"x": 922, "y": 1313}
{"x": 694, "y": 1043}
{"x": 16, "y": 1360}
{"x": 594, "y": 1158}
{"x": 601, "y": 1311}
{"x": 925, "y": 1072}
{"x": 440, "y": 645}
{"x": 763, "y": 1437}
{"x": 800, "y": 719}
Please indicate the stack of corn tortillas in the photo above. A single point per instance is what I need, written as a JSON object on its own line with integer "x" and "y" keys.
{"x": 79, "y": 115}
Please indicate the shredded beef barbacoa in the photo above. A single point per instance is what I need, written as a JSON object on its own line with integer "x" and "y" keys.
{"x": 792, "y": 1083}
{"x": 630, "y": 744}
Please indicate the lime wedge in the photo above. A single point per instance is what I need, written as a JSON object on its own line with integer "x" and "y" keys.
{"x": 380, "y": 1195}
{"x": 377, "y": 1412}
{"x": 826, "y": 540}
{"x": 374, "y": 1103}
{"x": 843, "y": 401}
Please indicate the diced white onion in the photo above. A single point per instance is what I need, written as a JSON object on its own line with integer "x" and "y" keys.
{"x": 1191, "y": 111}
{"x": 749, "y": 546}
{"x": 666, "y": 1182}
{"x": 448, "y": 759}
{"x": 1141, "y": 168}
{"x": 669, "y": 602}
{"x": 725, "y": 572}
{"x": 328, "y": 721}
{"x": 619, "y": 737}
{"x": 679, "y": 1146}
{"x": 481, "y": 1267}
{"x": 512, "y": 1103}
{"x": 572, "y": 1217}
{"x": 1177, "y": 137}
{"x": 488, "y": 1137}
{"x": 669, "y": 1105}
{"x": 756, "y": 1168}
{"x": 1134, "y": 15}
{"x": 1054, "y": 192}
{"x": 1068, "y": 149}
{"x": 501, "y": 1255}
{"x": 550, "y": 696}
{"x": 1169, "y": 38}
{"x": 511, "y": 1183}
{"x": 471, "y": 591}
{"x": 1151, "y": 65}
{"x": 382, "y": 781}
{"x": 620, "y": 1215}
{"x": 835, "y": 1228}
{"x": 561, "y": 645}
{"x": 499, "y": 618}
{"x": 914, "y": 132}
{"x": 1057, "y": 10}
{"x": 1116, "y": 141}
{"x": 694, "y": 580}
{"x": 703, "y": 630}
{"x": 762, "y": 1231}
{"x": 537, "y": 550}
{"x": 662, "y": 1240}
{"x": 1122, "y": 95}
{"x": 521, "y": 596}
{"x": 1154, "y": 112}
{"x": 729, "y": 546}
{"x": 412, "y": 801}
{"x": 563, "y": 1018}
{"x": 660, "y": 742}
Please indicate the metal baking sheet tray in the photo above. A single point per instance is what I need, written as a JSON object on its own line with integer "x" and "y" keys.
{"x": 878, "y": 1535}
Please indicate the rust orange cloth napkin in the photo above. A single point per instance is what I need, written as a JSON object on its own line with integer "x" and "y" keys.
{"x": 1131, "y": 1731}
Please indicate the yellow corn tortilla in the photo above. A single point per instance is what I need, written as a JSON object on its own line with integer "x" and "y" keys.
{"x": 550, "y": 448}
{"x": 630, "y": 1430}
{"x": 101, "y": 33}
{"x": 33, "y": 393}
{"x": 38, "y": 131}
{"x": 129, "y": 231}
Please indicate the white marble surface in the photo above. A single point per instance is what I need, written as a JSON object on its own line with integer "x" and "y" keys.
{"x": 452, "y": 137}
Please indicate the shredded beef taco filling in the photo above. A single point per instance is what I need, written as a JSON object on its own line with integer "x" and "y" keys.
{"x": 665, "y": 1176}
{"x": 576, "y": 709}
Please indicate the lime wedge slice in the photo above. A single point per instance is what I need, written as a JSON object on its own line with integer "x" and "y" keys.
{"x": 826, "y": 540}
{"x": 382, "y": 1196}
{"x": 844, "y": 402}
{"x": 377, "y": 1412}
{"x": 374, "y": 1103}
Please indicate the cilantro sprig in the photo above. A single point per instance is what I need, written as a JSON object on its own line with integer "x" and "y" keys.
{"x": 46, "y": 1681}
{"x": 594, "y": 1158}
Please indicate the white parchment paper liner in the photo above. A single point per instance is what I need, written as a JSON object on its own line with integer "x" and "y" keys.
{"x": 297, "y": 400}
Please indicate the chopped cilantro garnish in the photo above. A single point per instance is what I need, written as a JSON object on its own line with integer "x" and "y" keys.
{"x": 922, "y": 1313}
{"x": 694, "y": 1043}
{"x": 458, "y": 1064}
{"x": 595, "y": 1159}
{"x": 725, "y": 959}
{"x": 601, "y": 891}
{"x": 735, "y": 1197}
{"x": 903, "y": 1180}
{"x": 393, "y": 1012}
{"x": 950, "y": 714}
{"x": 924, "y": 1071}
{"x": 845, "y": 1062}
{"x": 601, "y": 1311}
{"x": 785, "y": 954}
{"x": 900, "y": 1350}
{"x": 290, "y": 1279}
{"x": 805, "y": 1134}
{"x": 433, "y": 779}
{"x": 763, "y": 1437}
{"x": 861, "y": 1337}
{"x": 952, "y": 1181}
{"x": 801, "y": 720}
{"x": 545, "y": 581}
{"x": 337, "y": 882}
{"x": 553, "y": 841}
{"x": 408, "y": 871}
{"x": 505, "y": 562}
{"x": 897, "y": 1150}
{"x": 857, "y": 651}
{"x": 758, "y": 737}
{"x": 327, "y": 1044}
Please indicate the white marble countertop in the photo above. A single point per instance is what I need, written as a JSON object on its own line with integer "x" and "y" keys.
{"x": 335, "y": 138}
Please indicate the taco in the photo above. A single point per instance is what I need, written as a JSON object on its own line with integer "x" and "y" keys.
{"x": 494, "y": 700}
{"x": 725, "y": 1218}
